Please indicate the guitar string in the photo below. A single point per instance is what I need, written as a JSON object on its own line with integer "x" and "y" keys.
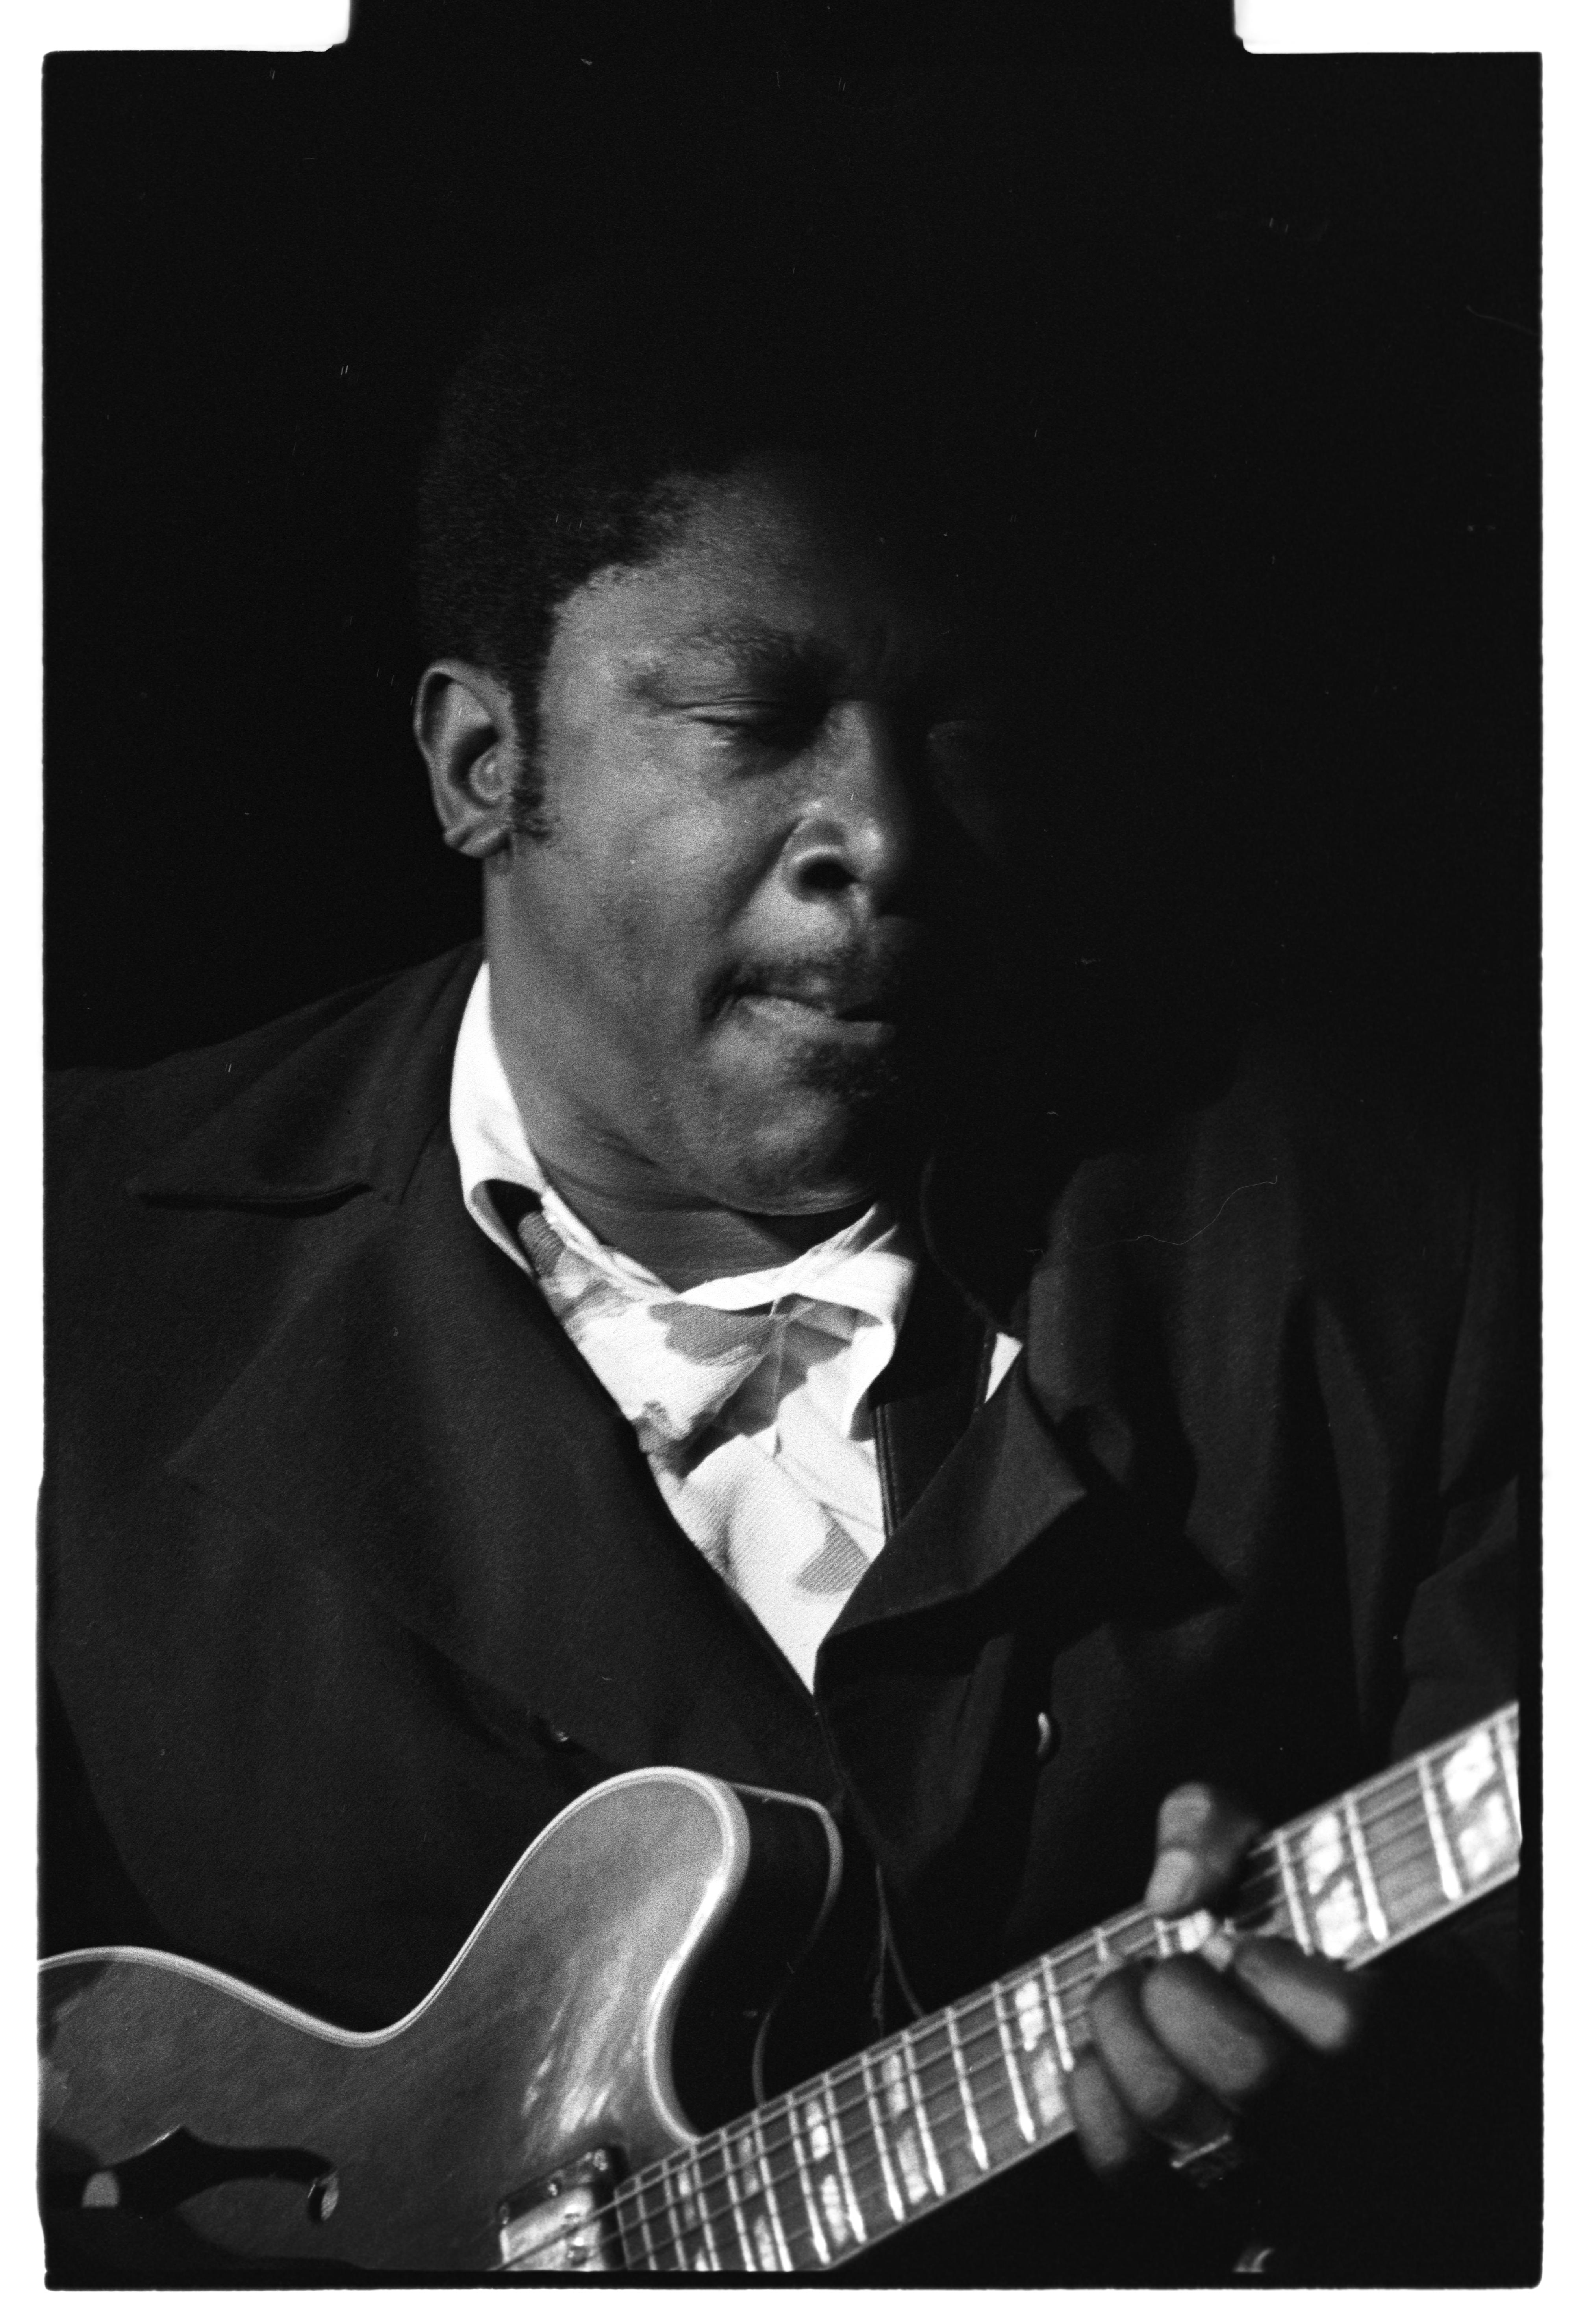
{"x": 1401, "y": 1786}
{"x": 928, "y": 2047}
{"x": 669, "y": 2203}
{"x": 1381, "y": 1818}
{"x": 656, "y": 2180}
{"x": 669, "y": 2200}
{"x": 1382, "y": 1826}
{"x": 1402, "y": 1783}
{"x": 1398, "y": 1790}
{"x": 665, "y": 2229}
{"x": 670, "y": 2218}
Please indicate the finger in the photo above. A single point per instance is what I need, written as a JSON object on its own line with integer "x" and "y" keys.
{"x": 1155, "y": 2089}
{"x": 1202, "y": 1837}
{"x": 1110, "y": 2139}
{"x": 1323, "y": 2005}
{"x": 1218, "y": 2037}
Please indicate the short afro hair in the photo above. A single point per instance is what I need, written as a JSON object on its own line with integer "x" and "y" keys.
{"x": 562, "y": 430}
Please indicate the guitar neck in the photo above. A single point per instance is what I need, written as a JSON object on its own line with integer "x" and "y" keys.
{"x": 929, "y": 2114}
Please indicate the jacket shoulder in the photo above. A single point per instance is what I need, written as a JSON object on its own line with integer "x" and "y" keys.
{"x": 110, "y": 1123}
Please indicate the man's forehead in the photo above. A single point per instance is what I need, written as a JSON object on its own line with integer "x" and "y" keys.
{"x": 882, "y": 644}
{"x": 768, "y": 572}
{"x": 762, "y": 616}
{"x": 743, "y": 639}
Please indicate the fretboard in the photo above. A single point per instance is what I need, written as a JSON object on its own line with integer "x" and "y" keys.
{"x": 927, "y": 2115}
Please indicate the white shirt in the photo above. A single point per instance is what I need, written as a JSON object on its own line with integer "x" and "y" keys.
{"x": 763, "y": 1444}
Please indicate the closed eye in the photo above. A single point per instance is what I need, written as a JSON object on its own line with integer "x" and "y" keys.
{"x": 778, "y": 724}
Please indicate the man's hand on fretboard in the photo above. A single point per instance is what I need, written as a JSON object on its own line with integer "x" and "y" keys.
{"x": 1179, "y": 2048}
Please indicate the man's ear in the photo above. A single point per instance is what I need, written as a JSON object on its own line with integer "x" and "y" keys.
{"x": 466, "y": 731}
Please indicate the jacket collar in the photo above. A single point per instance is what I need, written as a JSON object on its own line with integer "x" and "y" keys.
{"x": 421, "y": 1418}
{"x": 348, "y": 1106}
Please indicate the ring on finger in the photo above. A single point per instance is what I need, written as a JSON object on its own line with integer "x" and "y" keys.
{"x": 1206, "y": 2161}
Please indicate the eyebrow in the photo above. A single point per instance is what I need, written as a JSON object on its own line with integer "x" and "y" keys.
{"x": 805, "y": 655}
{"x": 754, "y": 638}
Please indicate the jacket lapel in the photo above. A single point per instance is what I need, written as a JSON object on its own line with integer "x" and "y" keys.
{"x": 419, "y": 1420}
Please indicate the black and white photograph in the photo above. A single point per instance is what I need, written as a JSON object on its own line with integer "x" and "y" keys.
{"x": 792, "y": 942}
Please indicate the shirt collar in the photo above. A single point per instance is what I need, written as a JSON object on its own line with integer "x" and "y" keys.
{"x": 867, "y": 1266}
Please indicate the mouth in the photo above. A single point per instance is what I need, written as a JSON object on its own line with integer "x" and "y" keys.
{"x": 859, "y": 1024}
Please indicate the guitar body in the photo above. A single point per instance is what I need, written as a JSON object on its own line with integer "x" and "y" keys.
{"x": 612, "y": 1959}
{"x": 538, "y": 2112}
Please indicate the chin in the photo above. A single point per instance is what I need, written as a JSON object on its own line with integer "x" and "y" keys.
{"x": 815, "y": 1151}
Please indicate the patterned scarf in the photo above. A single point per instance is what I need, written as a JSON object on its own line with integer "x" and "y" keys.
{"x": 673, "y": 1367}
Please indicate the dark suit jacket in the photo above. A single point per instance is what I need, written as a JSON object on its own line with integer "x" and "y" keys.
{"x": 355, "y": 1575}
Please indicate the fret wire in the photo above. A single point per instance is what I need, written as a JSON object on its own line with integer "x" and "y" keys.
{"x": 646, "y": 2230}
{"x": 712, "y": 2253}
{"x": 1398, "y": 1783}
{"x": 1378, "y": 1922}
{"x": 1058, "y": 2023}
{"x": 619, "y": 2207}
{"x": 1509, "y": 1763}
{"x": 976, "y": 2138}
{"x": 937, "y": 2118}
{"x": 986, "y": 2001}
{"x": 1497, "y": 1731}
{"x": 991, "y": 2001}
{"x": 1449, "y": 1870}
{"x": 816, "y": 2236}
{"x": 937, "y": 2178}
{"x": 1402, "y": 1858}
{"x": 740, "y": 2222}
{"x": 1392, "y": 1784}
{"x": 1403, "y": 1855}
{"x": 1375, "y": 1818}
{"x": 1019, "y": 2096}
{"x": 854, "y": 2213}
{"x": 1395, "y": 1777}
{"x": 772, "y": 2212}
{"x": 1291, "y": 1890}
{"x": 675, "y": 2216}
{"x": 872, "y": 2106}
{"x": 1402, "y": 1824}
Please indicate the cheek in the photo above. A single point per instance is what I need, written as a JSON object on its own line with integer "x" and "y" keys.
{"x": 649, "y": 930}
{"x": 672, "y": 895}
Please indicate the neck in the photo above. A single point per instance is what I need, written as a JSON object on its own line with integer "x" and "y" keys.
{"x": 680, "y": 1237}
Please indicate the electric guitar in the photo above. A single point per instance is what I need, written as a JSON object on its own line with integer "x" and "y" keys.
{"x": 526, "y": 2116}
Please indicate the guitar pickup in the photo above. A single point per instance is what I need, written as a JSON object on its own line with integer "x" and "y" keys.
{"x": 563, "y": 2223}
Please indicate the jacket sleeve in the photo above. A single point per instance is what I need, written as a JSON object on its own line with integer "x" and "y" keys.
{"x": 1460, "y": 1644}
{"x": 1418, "y": 2160}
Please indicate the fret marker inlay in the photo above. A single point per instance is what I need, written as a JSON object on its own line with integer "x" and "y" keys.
{"x": 1337, "y": 1908}
{"x": 849, "y": 2156}
{"x": 894, "y": 2203}
{"x": 1019, "y": 2098}
{"x": 1376, "y": 1924}
{"x": 905, "y": 2145}
{"x": 976, "y": 2138}
{"x": 1449, "y": 1877}
{"x": 936, "y": 2179}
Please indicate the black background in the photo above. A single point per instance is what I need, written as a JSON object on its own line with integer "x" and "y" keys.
{"x": 1275, "y": 319}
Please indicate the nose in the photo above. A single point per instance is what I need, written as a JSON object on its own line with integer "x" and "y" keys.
{"x": 862, "y": 827}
